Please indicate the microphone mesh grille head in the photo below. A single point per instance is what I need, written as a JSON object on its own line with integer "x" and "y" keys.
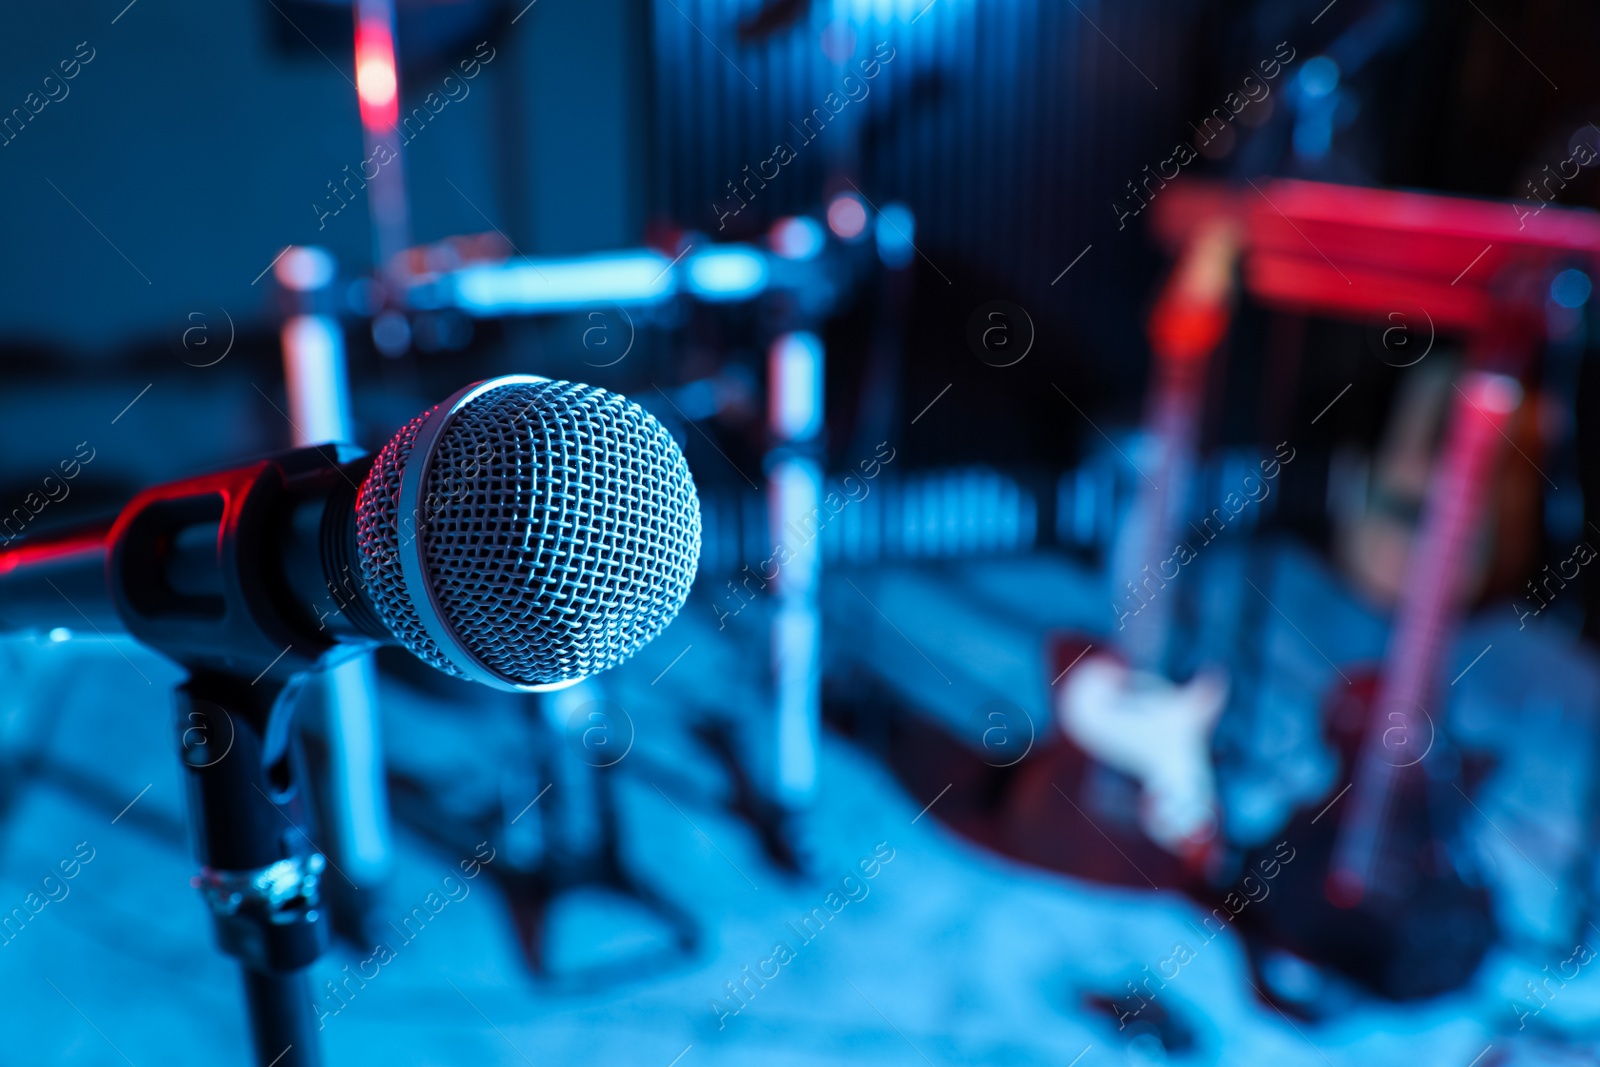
{"x": 559, "y": 525}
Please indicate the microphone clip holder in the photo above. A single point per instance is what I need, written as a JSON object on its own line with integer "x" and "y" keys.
{"x": 265, "y": 916}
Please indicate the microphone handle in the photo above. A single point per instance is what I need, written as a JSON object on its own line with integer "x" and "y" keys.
{"x": 58, "y": 580}
{"x": 305, "y": 573}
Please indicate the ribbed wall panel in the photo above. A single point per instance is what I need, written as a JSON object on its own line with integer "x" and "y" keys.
{"x": 1036, "y": 124}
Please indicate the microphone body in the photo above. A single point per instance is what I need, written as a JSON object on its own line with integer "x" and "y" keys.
{"x": 222, "y": 572}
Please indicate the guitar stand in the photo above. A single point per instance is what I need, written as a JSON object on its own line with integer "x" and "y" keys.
{"x": 259, "y": 874}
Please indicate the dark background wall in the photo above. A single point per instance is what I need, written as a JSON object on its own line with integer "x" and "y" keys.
{"x": 195, "y": 143}
{"x": 197, "y": 140}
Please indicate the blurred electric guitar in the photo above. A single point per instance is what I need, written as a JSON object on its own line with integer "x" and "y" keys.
{"x": 1126, "y": 748}
{"x": 1118, "y": 705}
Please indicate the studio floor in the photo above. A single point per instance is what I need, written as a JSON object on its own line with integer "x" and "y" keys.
{"x": 946, "y": 955}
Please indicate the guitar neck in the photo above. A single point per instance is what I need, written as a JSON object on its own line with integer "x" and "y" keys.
{"x": 1188, "y": 323}
{"x": 1405, "y": 710}
{"x": 1148, "y": 535}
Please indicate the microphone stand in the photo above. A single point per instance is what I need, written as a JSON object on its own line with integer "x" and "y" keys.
{"x": 260, "y": 874}
{"x": 206, "y": 571}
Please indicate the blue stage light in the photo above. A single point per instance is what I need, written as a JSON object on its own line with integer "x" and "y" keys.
{"x": 880, "y": 11}
{"x": 895, "y": 229}
{"x": 729, "y": 273}
{"x": 795, "y": 386}
{"x": 565, "y": 285}
{"x": 1570, "y": 288}
{"x": 798, "y": 238}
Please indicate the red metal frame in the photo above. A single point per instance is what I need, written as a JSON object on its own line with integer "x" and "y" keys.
{"x": 1476, "y": 267}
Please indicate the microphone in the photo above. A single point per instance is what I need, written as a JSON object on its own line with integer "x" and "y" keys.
{"x": 525, "y": 534}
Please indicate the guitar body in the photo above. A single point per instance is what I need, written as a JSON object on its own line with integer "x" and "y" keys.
{"x": 1144, "y": 744}
{"x": 1095, "y": 800}
{"x": 1422, "y": 928}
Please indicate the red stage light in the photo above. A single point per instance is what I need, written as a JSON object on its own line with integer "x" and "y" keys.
{"x": 376, "y": 81}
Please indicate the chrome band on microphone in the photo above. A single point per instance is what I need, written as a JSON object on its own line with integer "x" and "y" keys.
{"x": 414, "y": 567}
